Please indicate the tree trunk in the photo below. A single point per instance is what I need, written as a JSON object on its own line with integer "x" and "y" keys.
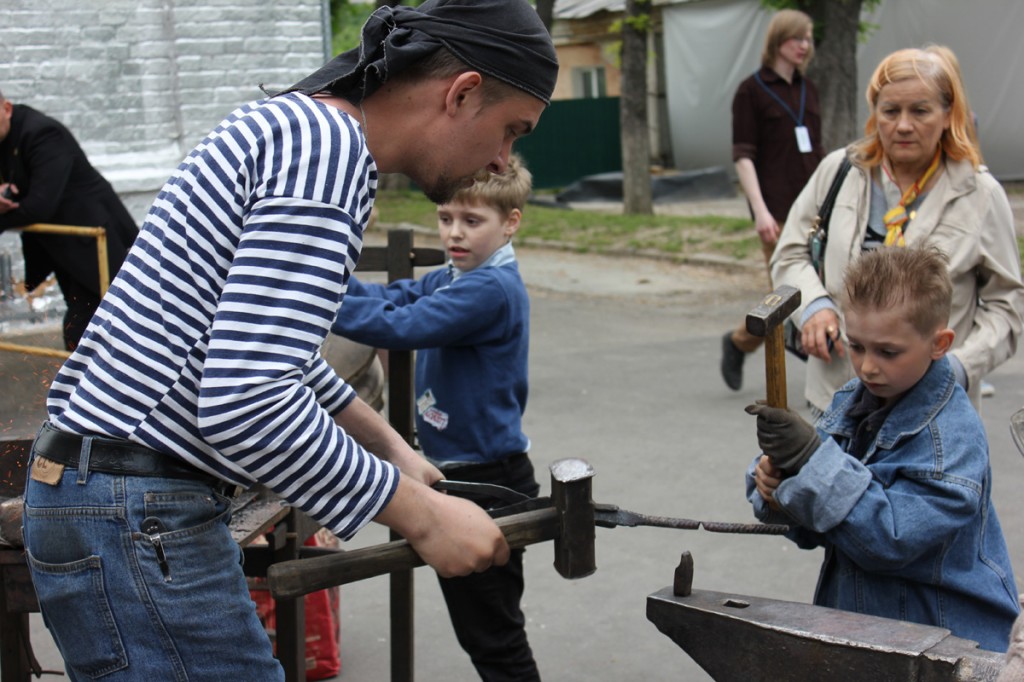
{"x": 636, "y": 149}
{"x": 834, "y": 69}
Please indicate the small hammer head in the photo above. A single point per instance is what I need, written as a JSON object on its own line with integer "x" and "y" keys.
{"x": 773, "y": 310}
{"x": 571, "y": 497}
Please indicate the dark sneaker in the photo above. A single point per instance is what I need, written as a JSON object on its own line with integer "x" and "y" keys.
{"x": 732, "y": 363}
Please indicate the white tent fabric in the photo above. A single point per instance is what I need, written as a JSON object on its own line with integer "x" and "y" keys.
{"x": 712, "y": 45}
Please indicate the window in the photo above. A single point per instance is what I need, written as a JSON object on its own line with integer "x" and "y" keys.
{"x": 588, "y": 82}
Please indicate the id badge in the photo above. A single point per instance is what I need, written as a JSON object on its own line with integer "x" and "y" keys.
{"x": 803, "y": 139}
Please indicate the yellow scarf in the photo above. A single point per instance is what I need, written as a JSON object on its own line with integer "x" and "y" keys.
{"x": 896, "y": 217}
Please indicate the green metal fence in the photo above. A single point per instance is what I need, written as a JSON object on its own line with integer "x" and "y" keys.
{"x": 575, "y": 138}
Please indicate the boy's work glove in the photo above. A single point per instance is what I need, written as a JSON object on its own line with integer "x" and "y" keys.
{"x": 784, "y": 436}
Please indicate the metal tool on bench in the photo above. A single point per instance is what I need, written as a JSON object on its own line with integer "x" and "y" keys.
{"x": 766, "y": 320}
{"x": 605, "y": 515}
{"x": 568, "y": 517}
{"x": 735, "y": 637}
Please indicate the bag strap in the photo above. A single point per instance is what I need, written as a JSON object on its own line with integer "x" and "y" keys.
{"x": 825, "y": 211}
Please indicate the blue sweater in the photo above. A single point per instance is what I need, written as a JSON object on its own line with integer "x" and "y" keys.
{"x": 472, "y": 337}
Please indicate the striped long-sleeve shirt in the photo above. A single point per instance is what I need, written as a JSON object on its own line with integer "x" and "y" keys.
{"x": 207, "y": 344}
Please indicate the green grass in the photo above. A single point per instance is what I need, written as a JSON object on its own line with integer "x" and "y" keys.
{"x": 592, "y": 231}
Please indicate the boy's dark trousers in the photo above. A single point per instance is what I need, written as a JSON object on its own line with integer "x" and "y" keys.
{"x": 484, "y": 607}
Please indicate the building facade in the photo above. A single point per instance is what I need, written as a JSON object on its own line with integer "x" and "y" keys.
{"x": 140, "y": 82}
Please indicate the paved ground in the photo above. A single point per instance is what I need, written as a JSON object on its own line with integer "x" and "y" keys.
{"x": 628, "y": 379}
{"x": 624, "y": 373}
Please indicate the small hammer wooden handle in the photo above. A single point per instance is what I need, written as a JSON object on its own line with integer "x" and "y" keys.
{"x": 290, "y": 579}
{"x": 766, "y": 320}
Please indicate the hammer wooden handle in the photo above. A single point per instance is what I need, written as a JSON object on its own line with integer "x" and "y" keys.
{"x": 775, "y": 367}
{"x": 766, "y": 320}
{"x": 290, "y": 579}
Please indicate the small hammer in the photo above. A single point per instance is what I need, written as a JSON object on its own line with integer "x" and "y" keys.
{"x": 766, "y": 320}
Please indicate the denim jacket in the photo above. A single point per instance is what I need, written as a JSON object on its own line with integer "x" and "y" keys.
{"x": 909, "y": 532}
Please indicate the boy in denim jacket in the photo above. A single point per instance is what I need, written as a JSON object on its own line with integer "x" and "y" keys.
{"x": 470, "y": 326}
{"x": 895, "y": 480}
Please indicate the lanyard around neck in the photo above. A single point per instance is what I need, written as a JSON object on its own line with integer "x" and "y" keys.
{"x": 803, "y": 98}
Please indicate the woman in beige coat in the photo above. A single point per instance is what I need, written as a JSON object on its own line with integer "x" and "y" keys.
{"x": 917, "y": 179}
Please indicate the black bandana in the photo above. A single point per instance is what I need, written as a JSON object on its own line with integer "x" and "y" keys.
{"x": 504, "y": 39}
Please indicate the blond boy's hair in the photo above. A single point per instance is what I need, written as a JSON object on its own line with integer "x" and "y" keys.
{"x": 916, "y": 279}
{"x": 504, "y": 192}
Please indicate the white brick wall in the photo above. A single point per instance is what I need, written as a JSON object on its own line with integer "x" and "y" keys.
{"x": 139, "y": 82}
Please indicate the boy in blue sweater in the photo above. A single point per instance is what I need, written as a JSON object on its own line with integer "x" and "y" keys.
{"x": 895, "y": 481}
{"x": 470, "y": 326}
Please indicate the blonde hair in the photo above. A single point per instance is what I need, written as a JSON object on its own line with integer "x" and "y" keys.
{"x": 786, "y": 24}
{"x": 503, "y": 192}
{"x": 916, "y": 279}
{"x": 943, "y": 52}
{"x": 937, "y": 67}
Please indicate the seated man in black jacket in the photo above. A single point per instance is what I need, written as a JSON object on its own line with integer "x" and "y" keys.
{"x": 45, "y": 177}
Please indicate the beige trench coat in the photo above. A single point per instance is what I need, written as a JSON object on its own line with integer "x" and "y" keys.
{"x": 966, "y": 214}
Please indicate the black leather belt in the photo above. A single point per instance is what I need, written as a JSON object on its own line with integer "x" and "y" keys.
{"x": 112, "y": 456}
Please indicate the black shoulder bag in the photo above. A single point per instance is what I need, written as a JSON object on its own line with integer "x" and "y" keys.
{"x": 817, "y": 240}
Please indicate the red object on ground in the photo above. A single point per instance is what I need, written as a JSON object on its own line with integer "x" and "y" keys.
{"x": 323, "y": 624}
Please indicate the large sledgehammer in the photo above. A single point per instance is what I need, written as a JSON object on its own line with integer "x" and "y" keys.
{"x": 568, "y": 517}
{"x": 766, "y": 320}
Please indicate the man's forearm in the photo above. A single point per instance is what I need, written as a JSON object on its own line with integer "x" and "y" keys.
{"x": 375, "y": 434}
{"x": 372, "y": 431}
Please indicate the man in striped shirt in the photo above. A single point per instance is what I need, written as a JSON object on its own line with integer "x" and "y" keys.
{"x": 201, "y": 369}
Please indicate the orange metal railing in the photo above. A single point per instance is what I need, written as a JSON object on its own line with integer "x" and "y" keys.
{"x": 100, "y": 235}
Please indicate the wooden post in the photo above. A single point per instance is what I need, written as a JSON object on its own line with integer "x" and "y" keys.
{"x": 400, "y": 414}
{"x": 399, "y": 259}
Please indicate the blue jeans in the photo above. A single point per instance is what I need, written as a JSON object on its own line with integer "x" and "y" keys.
{"x": 138, "y": 578}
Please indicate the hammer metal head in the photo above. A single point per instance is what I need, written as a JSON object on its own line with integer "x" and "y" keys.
{"x": 773, "y": 310}
{"x": 571, "y": 497}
